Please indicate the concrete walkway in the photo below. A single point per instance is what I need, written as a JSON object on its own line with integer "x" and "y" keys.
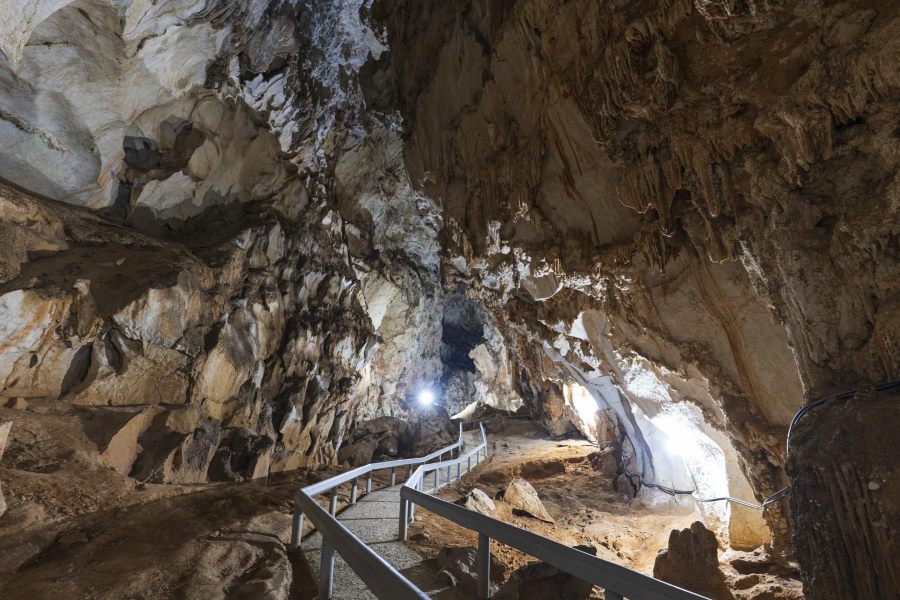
{"x": 374, "y": 519}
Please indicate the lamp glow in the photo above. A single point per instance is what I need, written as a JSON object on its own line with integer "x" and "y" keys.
{"x": 426, "y": 398}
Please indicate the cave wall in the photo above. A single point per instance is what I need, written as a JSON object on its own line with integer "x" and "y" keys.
{"x": 230, "y": 229}
{"x": 254, "y": 273}
{"x": 715, "y": 182}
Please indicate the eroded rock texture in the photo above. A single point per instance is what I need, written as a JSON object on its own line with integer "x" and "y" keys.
{"x": 693, "y": 201}
{"x": 256, "y": 272}
{"x": 236, "y": 235}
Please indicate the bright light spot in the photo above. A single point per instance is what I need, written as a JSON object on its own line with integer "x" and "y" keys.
{"x": 585, "y": 406}
{"x": 426, "y": 398}
{"x": 673, "y": 447}
{"x": 680, "y": 436}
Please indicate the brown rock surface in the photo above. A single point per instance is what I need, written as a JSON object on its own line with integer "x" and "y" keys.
{"x": 231, "y": 233}
{"x": 691, "y": 562}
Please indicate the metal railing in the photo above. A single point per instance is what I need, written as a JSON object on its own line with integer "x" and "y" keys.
{"x": 618, "y": 582}
{"x": 386, "y": 582}
{"x": 382, "y": 578}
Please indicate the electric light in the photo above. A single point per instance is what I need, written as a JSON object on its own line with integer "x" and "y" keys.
{"x": 426, "y": 398}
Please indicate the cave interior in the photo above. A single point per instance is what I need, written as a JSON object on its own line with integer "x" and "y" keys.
{"x": 652, "y": 247}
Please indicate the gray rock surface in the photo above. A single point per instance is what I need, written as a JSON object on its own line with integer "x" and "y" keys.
{"x": 480, "y": 502}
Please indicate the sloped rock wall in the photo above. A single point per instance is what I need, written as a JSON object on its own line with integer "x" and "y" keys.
{"x": 258, "y": 272}
{"x": 710, "y": 185}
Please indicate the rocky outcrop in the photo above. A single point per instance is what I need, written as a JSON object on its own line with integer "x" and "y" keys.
{"x": 845, "y": 496}
{"x": 457, "y": 568}
{"x": 4, "y": 436}
{"x": 541, "y": 581}
{"x": 691, "y": 562}
{"x": 245, "y": 287}
{"x": 213, "y": 331}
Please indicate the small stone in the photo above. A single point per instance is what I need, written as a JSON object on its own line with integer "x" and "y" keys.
{"x": 874, "y": 485}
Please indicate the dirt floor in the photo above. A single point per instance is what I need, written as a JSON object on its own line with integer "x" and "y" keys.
{"x": 579, "y": 498}
{"x": 78, "y": 530}
{"x": 586, "y": 510}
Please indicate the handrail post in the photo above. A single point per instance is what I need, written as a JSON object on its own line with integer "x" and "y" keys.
{"x": 369, "y": 484}
{"x": 393, "y": 476}
{"x": 332, "y": 506}
{"x": 458, "y": 467}
{"x": 297, "y": 527}
{"x": 437, "y": 479}
{"x": 484, "y": 567}
{"x": 354, "y": 490}
{"x": 326, "y": 570}
{"x": 409, "y": 474}
{"x": 449, "y": 476}
{"x": 468, "y": 463}
{"x": 404, "y": 517}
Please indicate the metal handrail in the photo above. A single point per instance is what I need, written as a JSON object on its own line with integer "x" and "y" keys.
{"x": 386, "y": 582}
{"x": 379, "y": 575}
{"x": 618, "y": 581}
{"x": 416, "y": 480}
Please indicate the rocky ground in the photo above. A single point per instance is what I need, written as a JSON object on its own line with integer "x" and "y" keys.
{"x": 575, "y": 486}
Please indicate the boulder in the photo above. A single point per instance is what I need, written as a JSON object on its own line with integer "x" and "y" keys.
{"x": 541, "y": 581}
{"x": 388, "y": 446}
{"x": 691, "y": 562}
{"x": 241, "y": 455}
{"x": 458, "y": 566}
{"x": 141, "y": 152}
{"x": 522, "y": 496}
{"x": 359, "y": 453}
{"x": 480, "y": 502}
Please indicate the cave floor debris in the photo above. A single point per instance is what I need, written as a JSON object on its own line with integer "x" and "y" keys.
{"x": 586, "y": 510}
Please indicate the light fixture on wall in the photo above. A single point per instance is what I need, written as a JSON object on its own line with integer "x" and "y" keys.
{"x": 426, "y": 397}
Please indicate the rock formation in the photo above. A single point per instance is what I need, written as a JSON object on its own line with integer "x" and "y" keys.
{"x": 691, "y": 562}
{"x": 522, "y": 496}
{"x": 237, "y": 234}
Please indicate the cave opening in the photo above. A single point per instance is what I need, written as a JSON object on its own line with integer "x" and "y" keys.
{"x": 462, "y": 330}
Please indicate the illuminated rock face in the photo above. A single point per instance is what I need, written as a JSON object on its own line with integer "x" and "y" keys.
{"x": 671, "y": 202}
{"x": 672, "y": 221}
{"x": 257, "y": 272}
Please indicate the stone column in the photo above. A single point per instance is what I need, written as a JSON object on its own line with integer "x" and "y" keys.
{"x": 845, "y": 501}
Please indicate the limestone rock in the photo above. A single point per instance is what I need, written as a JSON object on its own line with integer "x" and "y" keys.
{"x": 358, "y": 454}
{"x": 4, "y": 437}
{"x": 458, "y": 566}
{"x": 522, "y": 496}
{"x": 480, "y": 502}
{"x": 692, "y": 562}
{"x": 540, "y": 581}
